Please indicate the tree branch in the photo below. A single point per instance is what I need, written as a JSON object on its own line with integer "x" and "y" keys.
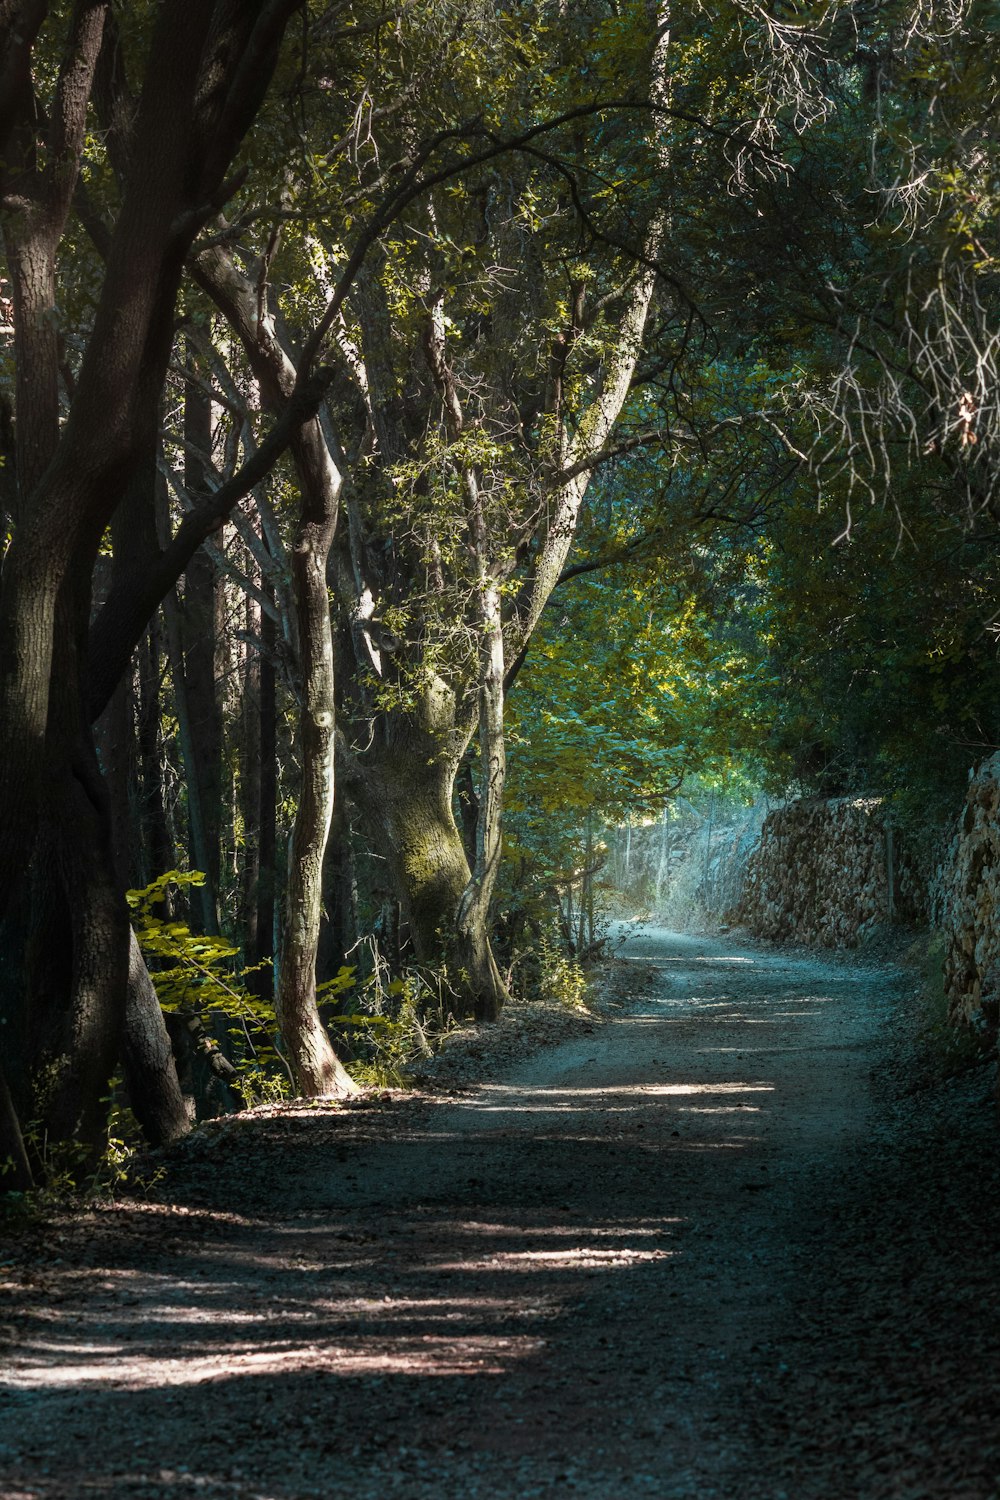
{"x": 132, "y": 601}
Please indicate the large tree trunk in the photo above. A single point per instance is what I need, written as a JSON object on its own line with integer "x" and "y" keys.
{"x": 77, "y": 1017}
{"x": 405, "y": 791}
{"x": 407, "y": 804}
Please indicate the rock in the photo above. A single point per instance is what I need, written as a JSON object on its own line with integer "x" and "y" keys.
{"x": 965, "y": 897}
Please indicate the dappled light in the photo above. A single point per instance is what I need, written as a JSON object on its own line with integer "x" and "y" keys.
{"x": 515, "y": 1101}
{"x": 222, "y": 1321}
{"x": 449, "y": 1354}
{"x": 634, "y": 1223}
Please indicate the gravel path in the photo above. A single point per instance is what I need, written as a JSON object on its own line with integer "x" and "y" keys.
{"x": 687, "y": 1254}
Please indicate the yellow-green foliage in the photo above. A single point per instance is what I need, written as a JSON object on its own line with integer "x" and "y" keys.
{"x": 195, "y": 972}
{"x": 190, "y": 969}
{"x": 561, "y": 978}
{"x": 385, "y": 1030}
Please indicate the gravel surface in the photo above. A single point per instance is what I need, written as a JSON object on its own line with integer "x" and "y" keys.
{"x": 688, "y": 1250}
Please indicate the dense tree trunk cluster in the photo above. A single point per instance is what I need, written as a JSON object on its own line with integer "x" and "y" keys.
{"x": 115, "y": 434}
{"x": 173, "y": 142}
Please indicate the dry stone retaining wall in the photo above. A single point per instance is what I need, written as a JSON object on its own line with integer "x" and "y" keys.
{"x": 821, "y": 874}
{"x": 966, "y": 904}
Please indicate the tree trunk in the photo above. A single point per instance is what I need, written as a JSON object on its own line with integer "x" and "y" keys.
{"x": 77, "y": 1018}
{"x": 663, "y": 864}
{"x": 146, "y": 1053}
{"x": 31, "y": 265}
{"x": 406, "y": 798}
{"x": 262, "y": 951}
{"x": 115, "y": 745}
{"x": 150, "y": 1076}
{"x": 249, "y": 781}
{"x": 320, "y": 1072}
{"x": 197, "y": 833}
{"x": 198, "y": 620}
{"x": 154, "y": 841}
{"x": 15, "y": 1170}
{"x": 488, "y": 991}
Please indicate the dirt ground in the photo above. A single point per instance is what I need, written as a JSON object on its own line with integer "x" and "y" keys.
{"x": 712, "y": 1246}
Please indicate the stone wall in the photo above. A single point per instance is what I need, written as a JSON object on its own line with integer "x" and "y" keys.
{"x": 821, "y": 875}
{"x": 966, "y": 904}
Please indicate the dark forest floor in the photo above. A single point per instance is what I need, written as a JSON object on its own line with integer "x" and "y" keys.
{"x": 714, "y": 1247}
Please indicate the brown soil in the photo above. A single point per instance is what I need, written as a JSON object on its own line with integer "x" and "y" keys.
{"x": 687, "y": 1252}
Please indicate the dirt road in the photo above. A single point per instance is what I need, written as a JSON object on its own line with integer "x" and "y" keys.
{"x": 686, "y": 1255}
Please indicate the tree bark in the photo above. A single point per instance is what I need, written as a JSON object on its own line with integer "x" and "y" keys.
{"x": 406, "y": 802}
{"x": 198, "y": 620}
{"x": 472, "y": 919}
{"x": 262, "y": 952}
{"x": 15, "y": 1170}
{"x": 78, "y": 1034}
{"x": 150, "y": 1076}
{"x": 250, "y": 782}
{"x": 319, "y": 1070}
{"x": 404, "y": 789}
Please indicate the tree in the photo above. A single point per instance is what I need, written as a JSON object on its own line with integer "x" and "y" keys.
{"x": 386, "y": 318}
{"x": 492, "y": 367}
{"x": 205, "y": 70}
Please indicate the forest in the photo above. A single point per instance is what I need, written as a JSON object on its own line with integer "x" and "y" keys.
{"x": 499, "y": 749}
{"x": 434, "y": 436}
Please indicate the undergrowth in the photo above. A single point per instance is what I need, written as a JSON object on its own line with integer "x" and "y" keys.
{"x": 383, "y": 1025}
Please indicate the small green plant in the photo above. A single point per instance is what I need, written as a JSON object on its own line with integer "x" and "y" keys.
{"x": 67, "y": 1174}
{"x": 383, "y": 1023}
{"x": 561, "y": 977}
{"x": 122, "y": 1165}
{"x": 394, "y": 1021}
{"x": 261, "y": 1086}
